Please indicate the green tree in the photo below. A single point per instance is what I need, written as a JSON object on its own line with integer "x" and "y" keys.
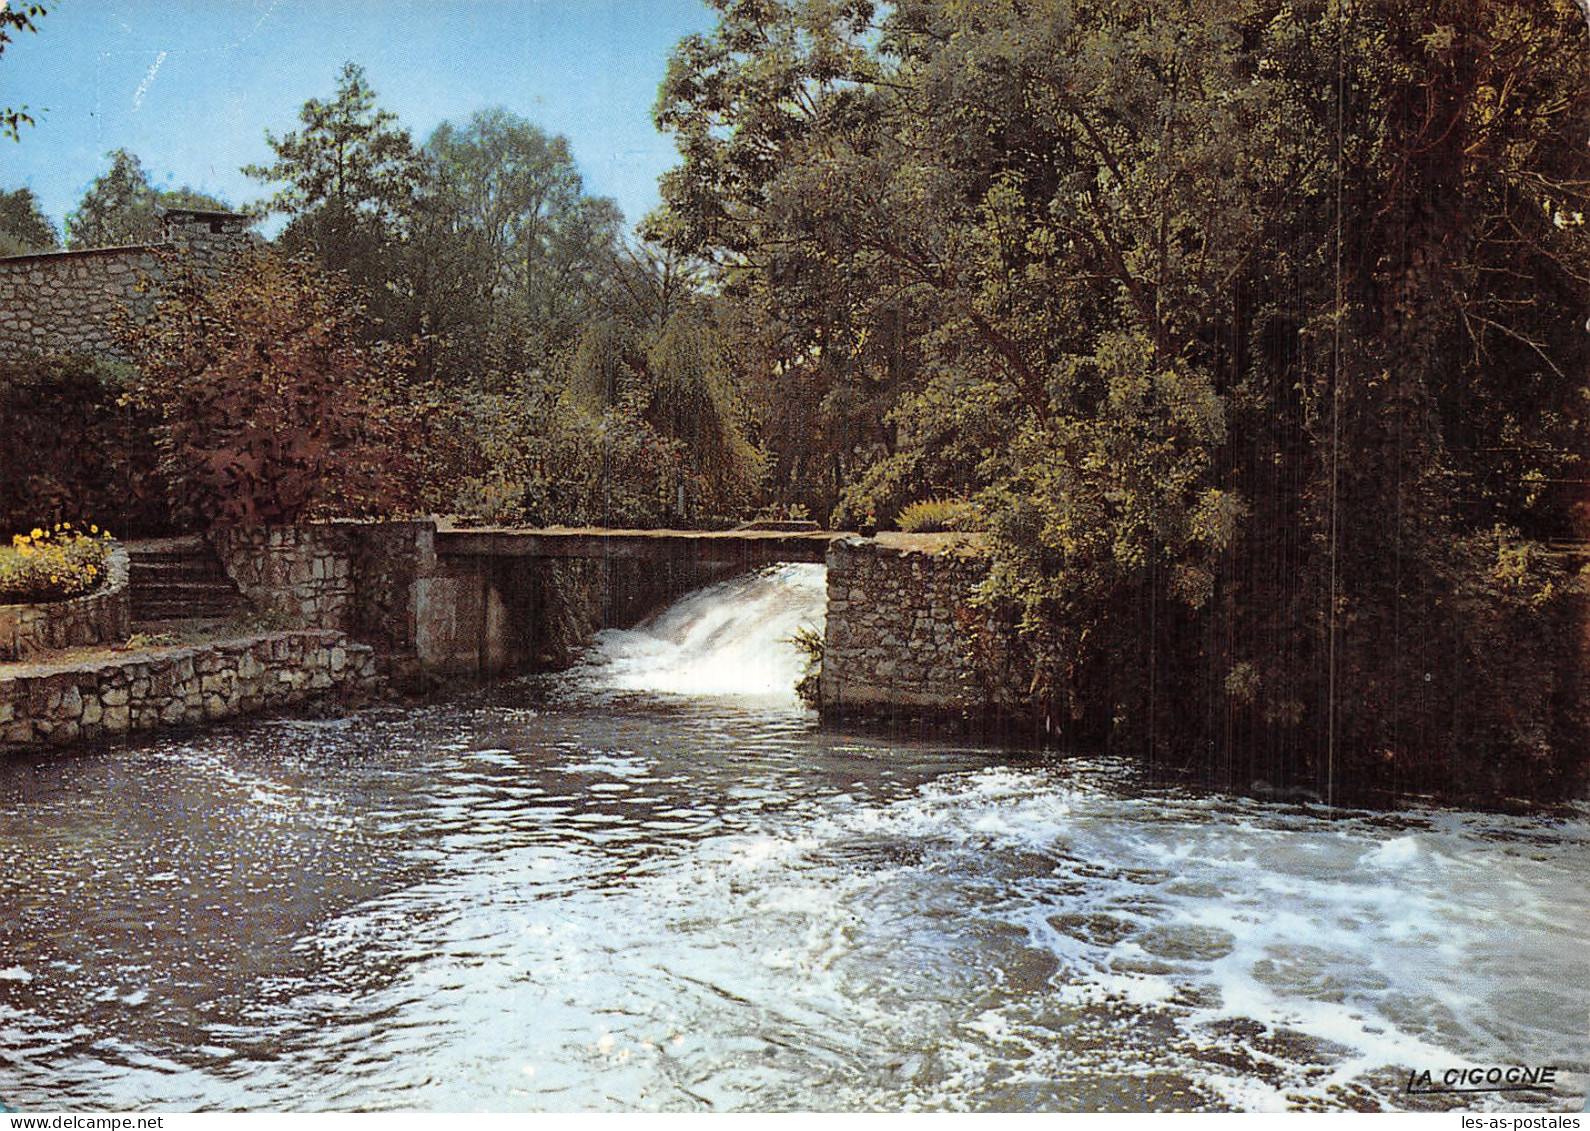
{"x": 1254, "y": 326}
{"x": 23, "y": 227}
{"x": 784, "y": 128}
{"x": 122, "y": 208}
{"x": 349, "y": 177}
{"x": 17, "y": 18}
{"x": 536, "y": 253}
{"x": 674, "y": 379}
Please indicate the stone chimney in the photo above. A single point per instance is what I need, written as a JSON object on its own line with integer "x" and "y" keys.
{"x": 180, "y": 222}
{"x": 206, "y": 235}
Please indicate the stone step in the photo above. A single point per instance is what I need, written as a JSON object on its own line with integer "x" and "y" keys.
{"x": 182, "y": 545}
{"x": 179, "y": 579}
{"x": 180, "y": 576}
{"x": 195, "y": 569}
{"x": 220, "y": 587}
{"x": 175, "y": 590}
{"x": 173, "y": 561}
{"x": 183, "y": 610}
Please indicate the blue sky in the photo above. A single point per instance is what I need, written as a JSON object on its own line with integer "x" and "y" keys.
{"x": 191, "y": 86}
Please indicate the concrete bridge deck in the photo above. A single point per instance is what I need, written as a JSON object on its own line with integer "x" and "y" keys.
{"x": 729, "y": 549}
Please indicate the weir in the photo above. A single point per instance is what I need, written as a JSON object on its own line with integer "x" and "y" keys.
{"x": 716, "y": 549}
{"x": 504, "y": 599}
{"x": 441, "y": 602}
{"x": 734, "y": 639}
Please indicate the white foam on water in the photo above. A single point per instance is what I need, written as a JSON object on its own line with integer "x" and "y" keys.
{"x": 1393, "y": 854}
{"x": 1369, "y": 941}
{"x": 730, "y": 639}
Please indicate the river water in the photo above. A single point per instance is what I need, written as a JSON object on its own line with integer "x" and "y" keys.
{"x": 654, "y": 884}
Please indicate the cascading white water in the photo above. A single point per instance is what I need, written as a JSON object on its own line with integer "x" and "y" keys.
{"x": 732, "y": 639}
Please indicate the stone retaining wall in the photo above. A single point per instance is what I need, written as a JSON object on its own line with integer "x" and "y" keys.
{"x": 101, "y": 617}
{"x": 303, "y": 573}
{"x": 378, "y": 581}
{"x": 71, "y": 301}
{"x": 68, "y": 700}
{"x": 898, "y": 640}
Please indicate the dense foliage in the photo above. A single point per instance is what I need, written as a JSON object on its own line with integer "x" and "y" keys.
{"x": 1255, "y": 328}
{"x": 576, "y": 380}
{"x": 523, "y": 363}
{"x": 510, "y": 256}
{"x": 268, "y": 404}
{"x": 74, "y": 451}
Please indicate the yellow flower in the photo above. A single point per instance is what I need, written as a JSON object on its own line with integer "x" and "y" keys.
{"x": 25, "y": 550}
{"x": 93, "y": 528}
{"x": 37, "y": 533}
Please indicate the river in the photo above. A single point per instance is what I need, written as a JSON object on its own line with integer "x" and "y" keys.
{"x": 653, "y": 883}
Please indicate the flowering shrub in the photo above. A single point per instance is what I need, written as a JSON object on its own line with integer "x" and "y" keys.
{"x": 52, "y": 565}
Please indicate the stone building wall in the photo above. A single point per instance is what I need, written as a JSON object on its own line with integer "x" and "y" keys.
{"x": 101, "y": 617}
{"x": 898, "y": 638}
{"x": 62, "y": 702}
{"x": 72, "y": 301}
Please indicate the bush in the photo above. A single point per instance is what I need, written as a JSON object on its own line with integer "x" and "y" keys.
{"x": 533, "y": 457}
{"x": 810, "y": 643}
{"x": 73, "y": 453}
{"x": 53, "y": 565}
{"x": 269, "y": 405}
{"x": 933, "y": 515}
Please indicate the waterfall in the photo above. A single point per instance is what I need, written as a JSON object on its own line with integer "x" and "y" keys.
{"x": 732, "y": 639}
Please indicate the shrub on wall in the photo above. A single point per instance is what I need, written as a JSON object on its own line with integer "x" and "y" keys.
{"x": 52, "y": 564}
{"x": 935, "y": 515}
{"x": 269, "y": 403}
{"x": 73, "y": 451}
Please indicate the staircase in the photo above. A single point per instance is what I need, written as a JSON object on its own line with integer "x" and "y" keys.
{"x": 179, "y": 579}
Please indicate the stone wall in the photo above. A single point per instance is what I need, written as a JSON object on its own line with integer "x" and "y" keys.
{"x": 101, "y": 617}
{"x": 71, "y": 301}
{"x": 451, "y": 605}
{"x": 435, "y": 616}
{"x": 898, "y": 640}
{"x": 379, "y": 581}
{"x": 303, "y": 574}
{"x": 62, "y": 702}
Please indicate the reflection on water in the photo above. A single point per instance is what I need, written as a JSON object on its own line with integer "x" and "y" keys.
{"x": 565, "y": 896}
